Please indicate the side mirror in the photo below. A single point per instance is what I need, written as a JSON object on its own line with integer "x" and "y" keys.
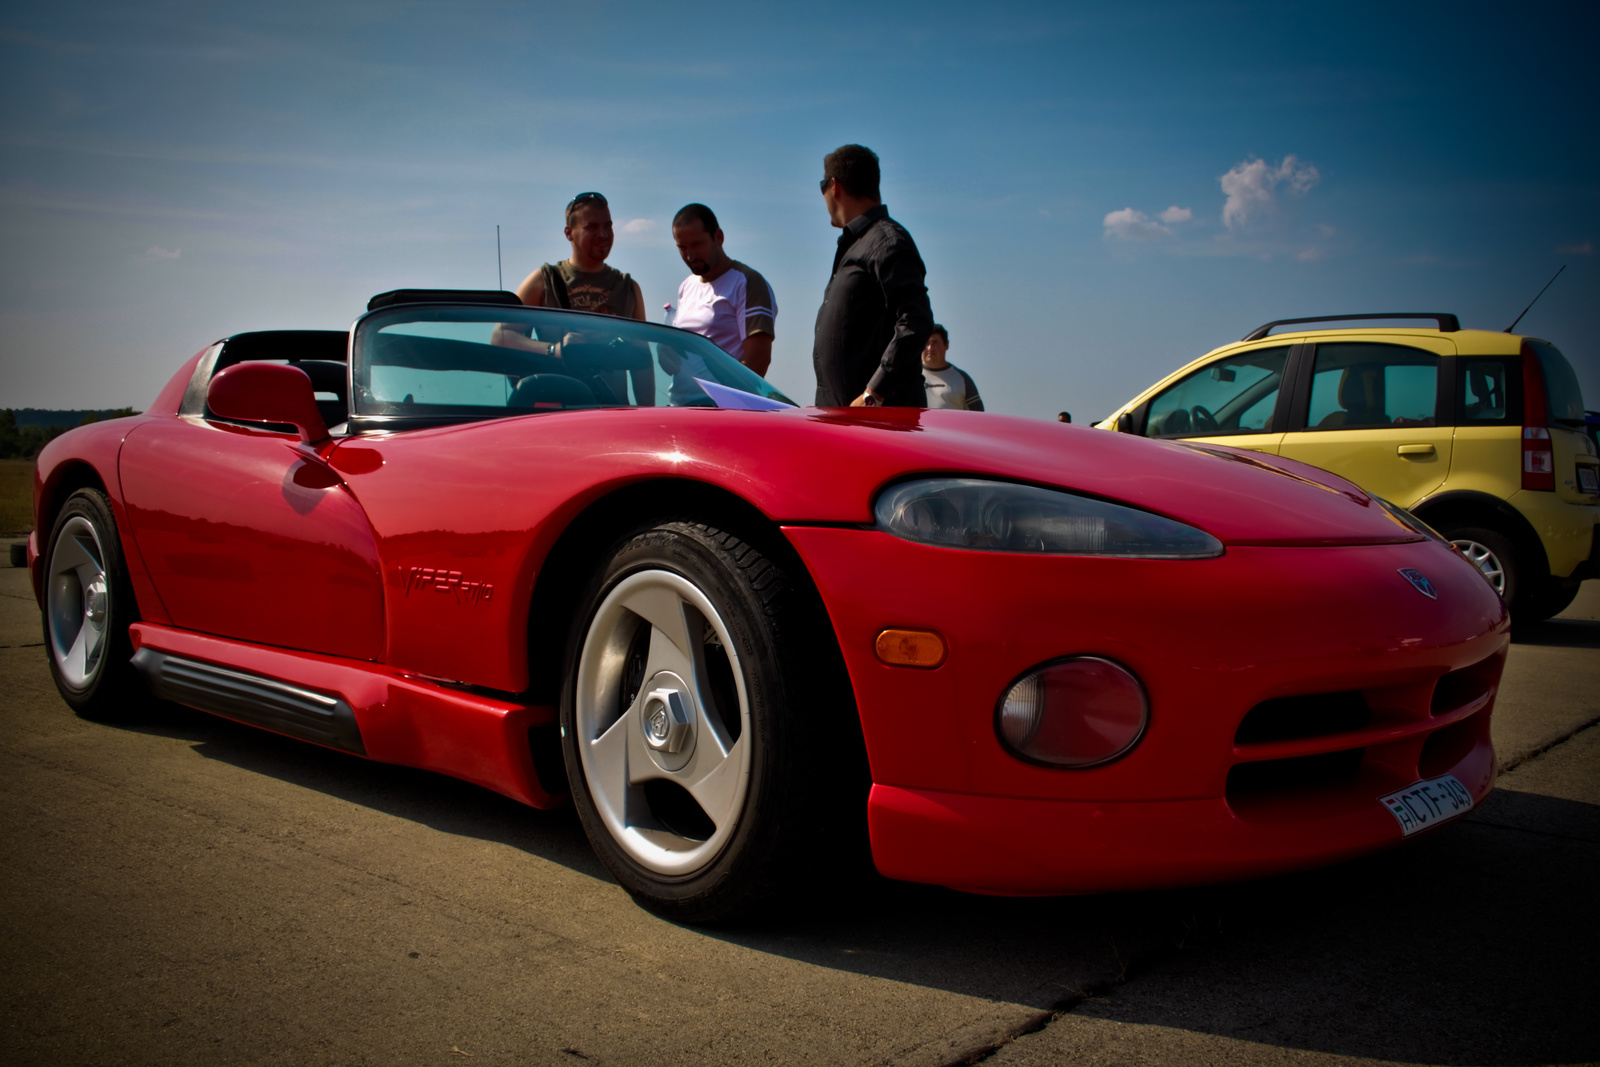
{"x": 268, "y": 392}
{"x": 1125, "y": 422}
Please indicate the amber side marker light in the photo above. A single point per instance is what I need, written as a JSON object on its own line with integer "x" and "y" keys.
{"x": 911, "y": 648}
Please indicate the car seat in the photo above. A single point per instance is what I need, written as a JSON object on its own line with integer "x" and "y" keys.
{"x": 329, "y": 376}
{"x": 546, "y": 392}
{"x": 1361, "y": 395}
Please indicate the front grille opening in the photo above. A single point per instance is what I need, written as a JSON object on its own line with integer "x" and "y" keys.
{"x": 1295, "y": 775}
{"x": 1460, "y": 688}
{"x": 1296, "y": 718}
{"x": 1445, "y": 748}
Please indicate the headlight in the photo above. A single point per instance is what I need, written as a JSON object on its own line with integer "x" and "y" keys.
{"x": 1410, "y": 521}
{"x": 1006, "y": 517}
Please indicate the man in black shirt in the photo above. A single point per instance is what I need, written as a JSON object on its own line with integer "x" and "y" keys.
{"x": 875, "y": 316}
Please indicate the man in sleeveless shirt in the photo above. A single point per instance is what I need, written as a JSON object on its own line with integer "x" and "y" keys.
{"x": 590, "y": 285}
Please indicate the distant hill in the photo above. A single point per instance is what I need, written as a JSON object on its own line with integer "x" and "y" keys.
{"x": 24, "y": 431}
{"x": 59, "y": 417}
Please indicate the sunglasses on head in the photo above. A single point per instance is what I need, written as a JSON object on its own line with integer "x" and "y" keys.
{"x": 586, "y": 198}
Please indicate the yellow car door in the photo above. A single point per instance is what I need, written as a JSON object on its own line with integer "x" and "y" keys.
{"x": 1371, "y": 410}
{"x": 1232, "y": 400}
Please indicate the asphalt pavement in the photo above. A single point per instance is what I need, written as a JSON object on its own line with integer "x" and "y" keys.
{"x": 192, "y": 891}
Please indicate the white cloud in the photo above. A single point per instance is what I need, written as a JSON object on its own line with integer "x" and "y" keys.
{"x": 156, "y": 252}
{"x": 639, "y": 226}
{"x": 1584, "y": 248}
{"x": 1176, "y": 214}
{"x": 1131, "y": 225}
{"x": 1309, "y": 255}
{"x": 1253, "y": 186}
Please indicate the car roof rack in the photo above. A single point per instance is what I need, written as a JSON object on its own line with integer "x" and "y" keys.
{"x": 1447, "y": 323}
{"x": 442, "y": 296}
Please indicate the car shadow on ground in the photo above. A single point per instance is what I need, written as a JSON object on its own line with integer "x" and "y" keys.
{"x": 446, "y": 804}
{"x": 1559, "y": 633}
{"x": 1474, "y": 944}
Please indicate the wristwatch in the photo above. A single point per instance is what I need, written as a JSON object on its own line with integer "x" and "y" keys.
{"x": 871, "y": 399}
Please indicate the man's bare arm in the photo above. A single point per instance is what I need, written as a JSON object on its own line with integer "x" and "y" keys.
{"x": 757, "y": 353}
{"x": 507, "y": 335}
{"x": 531, "y": 291}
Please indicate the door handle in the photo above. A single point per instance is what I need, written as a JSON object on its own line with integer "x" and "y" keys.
{"x": 1416, "y": 450}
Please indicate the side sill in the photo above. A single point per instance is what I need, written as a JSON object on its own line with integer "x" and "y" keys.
{"x": 249, "y": 698}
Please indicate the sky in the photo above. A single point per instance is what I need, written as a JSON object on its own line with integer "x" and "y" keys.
{"x": 1100, "y": 195}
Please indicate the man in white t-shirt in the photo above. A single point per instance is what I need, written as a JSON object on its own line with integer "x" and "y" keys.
{"x": 723, "y": 300}
{"x": 948, "y": 385}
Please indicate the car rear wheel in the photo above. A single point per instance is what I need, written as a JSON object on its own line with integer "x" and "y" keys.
{"x": 1555, "y": 598}
{"x": 684, "y": 724}
{"x": 89, "y": 605}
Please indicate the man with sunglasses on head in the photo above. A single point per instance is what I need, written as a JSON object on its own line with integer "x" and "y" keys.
{"x": 875, "y": 318}
{"x": 584, "y": 282}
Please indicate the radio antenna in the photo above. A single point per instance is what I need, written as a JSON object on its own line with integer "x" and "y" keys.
{"x": 1535, "y": 300}
{"x": 500, "y": 270}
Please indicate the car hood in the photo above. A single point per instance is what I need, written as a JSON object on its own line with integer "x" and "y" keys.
{"x": 1237, "y": 495}
{"x": 813, "y": 465}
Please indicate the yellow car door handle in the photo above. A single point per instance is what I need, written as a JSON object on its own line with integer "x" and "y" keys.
{"x": 1416, "y": 450}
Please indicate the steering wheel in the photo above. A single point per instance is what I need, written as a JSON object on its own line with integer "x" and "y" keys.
{"x": 1204, "y": 421}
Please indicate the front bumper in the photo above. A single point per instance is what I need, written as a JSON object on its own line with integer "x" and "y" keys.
{"x": 1211, "y": 640}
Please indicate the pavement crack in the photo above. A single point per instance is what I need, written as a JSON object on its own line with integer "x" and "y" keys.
{"x": 1138, "y": 966}
{"x": 1547, "y": 746}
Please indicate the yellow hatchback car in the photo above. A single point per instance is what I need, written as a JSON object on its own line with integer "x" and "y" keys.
{"x": 1481, "y": 435}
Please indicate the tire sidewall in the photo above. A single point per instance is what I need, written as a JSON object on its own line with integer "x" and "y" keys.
{"x": 699, "y": 555}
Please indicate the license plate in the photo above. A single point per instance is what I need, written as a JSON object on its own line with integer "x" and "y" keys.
{"x": 1429, "y": 803}
{"x": 1588, "y": 480}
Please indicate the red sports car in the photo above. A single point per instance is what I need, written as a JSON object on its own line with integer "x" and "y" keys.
{"x": 568, "y": 555}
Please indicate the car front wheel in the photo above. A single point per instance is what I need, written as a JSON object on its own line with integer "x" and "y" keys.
{"x": 685, "y": 727}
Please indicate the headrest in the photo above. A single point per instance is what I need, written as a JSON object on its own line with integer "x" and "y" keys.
{"x": 1361, "y": 387}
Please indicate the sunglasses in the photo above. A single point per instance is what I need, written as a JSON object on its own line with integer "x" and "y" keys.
{"x": 585, "y": 198}
{"x": 825, "y": 183}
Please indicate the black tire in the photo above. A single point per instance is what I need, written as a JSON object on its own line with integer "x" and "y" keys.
{"x": 686, "y": 860}
{"x": 1553, "y": 599}
{"x": 89, "y": 605}
{"x": 1493, "y": 553}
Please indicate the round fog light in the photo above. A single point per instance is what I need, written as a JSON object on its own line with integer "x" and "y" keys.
{"x": 1078, "y": 712}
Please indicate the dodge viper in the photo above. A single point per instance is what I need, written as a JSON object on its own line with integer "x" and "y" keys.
{"x": 579, "y": 559}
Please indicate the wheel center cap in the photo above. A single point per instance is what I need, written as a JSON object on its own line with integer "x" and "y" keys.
{"x": 666, "y": 718}
{"x": 96, "y": 601}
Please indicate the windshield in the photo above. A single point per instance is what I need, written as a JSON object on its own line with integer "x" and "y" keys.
{"x": 428, "y": 364}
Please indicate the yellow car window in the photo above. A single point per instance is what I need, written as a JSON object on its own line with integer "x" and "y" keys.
{"x": 1233, "y": 395}
{"x": 1372, "y": 385}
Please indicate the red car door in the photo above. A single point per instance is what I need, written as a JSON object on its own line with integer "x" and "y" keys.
{"x": 249, "y": 535}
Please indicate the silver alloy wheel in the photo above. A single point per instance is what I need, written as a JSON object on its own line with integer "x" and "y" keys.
{"x": 672, "y": 729}
{"x": 78, "y": 602}
{"x": 1483, "y": 558}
